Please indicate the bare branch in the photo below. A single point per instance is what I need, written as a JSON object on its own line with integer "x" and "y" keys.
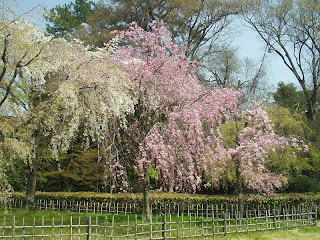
{"x": 21, "y": 15}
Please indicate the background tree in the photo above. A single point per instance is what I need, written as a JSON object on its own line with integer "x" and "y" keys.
{"x": 195, "y": 24}
{"x": 204, "y": 27}
{"x": 290, "y": 29}
{"x": 290, "y": 162}
{"x": 227, "y": 70}
{"x": 289, "y": 97}
{"x": 301, "y": 168}
{"x": 67, "y": 18}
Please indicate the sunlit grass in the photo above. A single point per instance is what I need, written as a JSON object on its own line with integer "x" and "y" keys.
{"x": 303, "y": 233}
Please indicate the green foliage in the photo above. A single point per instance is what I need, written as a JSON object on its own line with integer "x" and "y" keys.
{"x": 66, "y": 18}
{"x": 287, "y": 123}
{"x": 302, "y": 183}
{"x": 80, "y": 170}
{"x": 153, "y": 174}
{"x": 16, "y": 172}
{"x": 287, "y": 96}
{"x": 312, "y": 165}
{"x": 303, "y": 171}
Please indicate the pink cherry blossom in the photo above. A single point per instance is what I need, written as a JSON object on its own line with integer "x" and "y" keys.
{"x": 176, "y": 126}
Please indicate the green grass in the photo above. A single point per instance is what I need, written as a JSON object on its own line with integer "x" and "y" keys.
{"x": 120, "y": 228}
{"x": 304, "y": 233}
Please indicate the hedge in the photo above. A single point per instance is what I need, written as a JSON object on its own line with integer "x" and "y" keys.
{"x": 177, "y": 198}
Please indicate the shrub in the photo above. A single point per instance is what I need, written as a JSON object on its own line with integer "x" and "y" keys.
{"x": 173, "y": 199}
{"x": 302, "y": 183}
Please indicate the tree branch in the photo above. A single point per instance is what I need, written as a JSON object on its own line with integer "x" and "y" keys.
{"x": 4, "y": 58}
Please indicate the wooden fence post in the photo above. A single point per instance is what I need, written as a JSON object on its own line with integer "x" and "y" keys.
{"x": 136, "y": 227}
{"x": 256, "y": 218}
{"x": 33, "y": 227}
{"x": 70, "y": 227}
{"x": 202, "y": 226}
{"x": 225, "y": 222}
{"x": 88, "y": 227}
{"x": 150, "y": 222}
{"x": 284, "y": 218}
{"x": 178, "y": 235}
{"x": 267, "y": 220}
{"x": 212, "y": 215}
{"x": 247, "y": 220}
{"x": 23, "y": 228}
{"x": 236, "y": 219}
{"x": 309, "y": 215}
{"x": 315, "y": 214}
{"x": 275, "y": 216}
{"x": 13, "y": 226}
{"x": 52, "y": 229}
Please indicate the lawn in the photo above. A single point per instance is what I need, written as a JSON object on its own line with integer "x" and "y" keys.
{"x": 304, "y": 233}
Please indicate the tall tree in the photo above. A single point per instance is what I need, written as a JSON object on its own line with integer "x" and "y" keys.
{"x": 290, "y": 29}
{"x": 49, "y": 88}
{"x": 163, "y": 79}
{"x": 174, "y": 133}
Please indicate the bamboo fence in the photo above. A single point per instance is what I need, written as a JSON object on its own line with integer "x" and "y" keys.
{"x": 205, "y": 222}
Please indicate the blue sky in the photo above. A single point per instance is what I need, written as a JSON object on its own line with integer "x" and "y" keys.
{"x": 248, "y": 43}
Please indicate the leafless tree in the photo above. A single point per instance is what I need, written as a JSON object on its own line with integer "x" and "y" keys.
{"x": 290, "y": 29}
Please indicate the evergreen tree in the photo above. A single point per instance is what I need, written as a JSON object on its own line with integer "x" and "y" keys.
{"x": 65, "y": 19}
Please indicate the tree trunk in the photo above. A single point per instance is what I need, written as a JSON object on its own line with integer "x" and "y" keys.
{"x": 66, "y": 184}
{"x": 31, "y": 187}
{"x": 239, "y": 187}
{"x": 310, "y": 110}
{"x": 32, "y": 177}
{"x": 146, "y": 200}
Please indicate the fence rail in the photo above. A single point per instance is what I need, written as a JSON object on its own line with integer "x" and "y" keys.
{"x": 210, "y": 223}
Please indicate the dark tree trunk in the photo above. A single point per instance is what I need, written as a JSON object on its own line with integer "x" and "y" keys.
{"x": 32, "y": 176}
{"x": 310, "y": 110}
{"x": 236, "y": 160}
{"x": 31, "y": 187}
{"x": 238, "y": 188}
{"x": 146, "y": 199}
{"x": 66, "y": 184}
